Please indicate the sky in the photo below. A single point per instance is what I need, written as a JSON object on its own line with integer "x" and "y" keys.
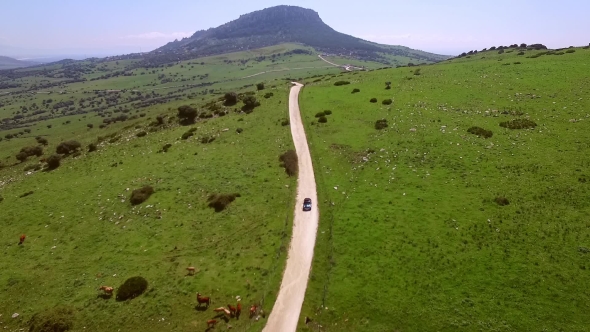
{"x": 30, "y": 28}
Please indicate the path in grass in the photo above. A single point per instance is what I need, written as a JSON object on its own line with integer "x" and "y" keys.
{"x": 287, "y": 307}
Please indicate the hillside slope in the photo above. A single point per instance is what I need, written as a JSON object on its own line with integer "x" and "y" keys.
{"x": 283, "y": 24}
{"x": 431, "y": 227}
{"x": 11, "y": 63}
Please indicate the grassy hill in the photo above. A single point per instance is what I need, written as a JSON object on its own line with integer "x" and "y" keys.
{"x": 426, "y": 226}
{"x": 83, "y": 232}
{"x": 288, "y": 24}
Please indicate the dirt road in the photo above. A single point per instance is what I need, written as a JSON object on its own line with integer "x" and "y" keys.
{"x": 285, "y": 313}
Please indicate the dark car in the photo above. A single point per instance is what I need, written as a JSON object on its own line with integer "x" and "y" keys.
{"x": 307, "y": 204}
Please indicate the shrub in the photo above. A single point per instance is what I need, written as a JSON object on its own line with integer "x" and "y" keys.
{"x": 381, "y": 124}
{"x": 570, "y": 51}
{"x": 387, "y": 85}
{"x": 355, "y": 90}
{"x": 339, "y": 83}
{"x": 41, "y": 140}
{"x": 480, "y": 132}
{"x": 268, "y": 95}
{"x": 141, "y": 134}
{"x": 92, "y": 147}
{"x": 139, "y": 196}
{"x": 319, "y": 114}
{"x": 159, "y": 120}
{"x": 239, "y": 130}
{"x": 501, "y": 51}
{"x": 21, "y": 156}
{"x": 220, "y": 201}
{"x": 1, "y": 198}
{"x": 502, "y": 201}
{"x": 387, "y": 102}
{"x": 518, "y": 124}
{"x": 187, "y": 135}
{"x": 520, "y": 53}
{"x": 285, "y": 122}
{"x": 206, "y": 139}
{"x": 260, "y": 86}
{"x": 231, "y": 98}
{"x": 131, "y": 288}
{"x": 290, "y": 162}
{"x": 68, "y": 147}
{"x": 327, "y": 112}
{"x": 373, "y": 100}
{"x": 187, "y": 114}
{"x": 322, "y": 119}
{"x": 53, "y": 161}
{"x": 90, "y": 126}
{"x": 58, "y": 319}
{"x": 166, "y": 147}
{"x": 250, "y": 103}
{"x": 417, "y": 72}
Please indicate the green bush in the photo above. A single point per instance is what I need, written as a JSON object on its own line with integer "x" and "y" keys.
{"x": 166, "y": 147}
{"x": 260, "y": 86}
{"x": 53, "y": 161}
{"x": 58, "y": 319}
{"x": 220, "y": 201}
{"x": 68, "y": 147}
{"x": 502, "y": 201}
{"x": 480, "y": 132}
{"x": 250, "y": 103}
{"x": 239, "y": 130}
{"x": 141, "y": 134}
{"x": 231, "y": 98}
{"x": 187, "y": 114}
{"x": 520, "y": 53}
{"x": 327, "y": 112}
{"x": 339, "y": 83}
{"x": 131, "y": 288}
{"x": 387, "y": 102}
{"x": 1, "y": 198}
{"x": 356, "y": 90}
{"x": 319, "y": 114}
{"x": 268, "y": 95}
{"x": 290, "y": 162}
{"x": 41, "y": 140}
{"x": 322, "y": 119}
{"x": 570, "y": 51}
{"x": 207, "y": 139}
{"x": 373, "y": 100}
{"x": 381, "y": 124}
{"x": 140, "y": 195}
{"x": 417, "y": 72}
{"x": 285, "y": 122}
{"x": 186, "y": 135}
{"x": 518, "y": 124}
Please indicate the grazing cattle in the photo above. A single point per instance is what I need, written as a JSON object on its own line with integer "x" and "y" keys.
{"x": 211, "y": 323}
{"x": 107, "y": 290}
{"x": 202, "y": 300}
{"x": 22, "y": 239}
{"x": 222, "y": 309}
{"x": 239, "y": 310}
{"x": 253, "y": 310}
{"x": 232, "y": 309}
{"x": 191, "y": 270}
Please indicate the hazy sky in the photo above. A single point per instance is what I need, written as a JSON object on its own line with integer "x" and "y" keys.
{"x": 447, "y": 27}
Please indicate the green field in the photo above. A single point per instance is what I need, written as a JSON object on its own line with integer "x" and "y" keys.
{"x": 411, "y": 237}
{"x": 82, "y": 232}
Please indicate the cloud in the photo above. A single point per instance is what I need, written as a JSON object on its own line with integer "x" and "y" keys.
{"x": 159, "y": 35}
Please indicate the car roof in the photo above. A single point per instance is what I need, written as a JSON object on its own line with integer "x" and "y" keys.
{"x": 307, "y": 200}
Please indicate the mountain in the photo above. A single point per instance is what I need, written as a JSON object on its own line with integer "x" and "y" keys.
{"x": 284, "y": 24}
{"x": 10, "y": 63}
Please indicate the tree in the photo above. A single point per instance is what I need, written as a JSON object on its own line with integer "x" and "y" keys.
{"x": 68, "y": 147}
{"x": 250, "y": 103}
{"x": 260, "y": 86}
{"x": 53, "y": 161}
{"x": 231, "y": 98}
{"x": 187, "y": 114}
{"x": 21, "y": 156}
{"x": 523, "y": 45}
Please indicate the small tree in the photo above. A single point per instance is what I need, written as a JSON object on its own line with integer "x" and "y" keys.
{"x": 231, "y": 98}
{"x": 41, "y": 140}
{"x": 53, "y": 161}
{"x": 250, "y": 103}
{"x": 260, "y": 86}
{"x": 68, "y": 147}
{"x": 523, "y": 45}
{"x": 187, "y": 114}
{"x": 22, "y": 157}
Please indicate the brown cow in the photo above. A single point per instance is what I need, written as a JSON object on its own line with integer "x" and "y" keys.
{"x": 22, "y": 239}
{"x": 107, "y": 290}
{"x": 201, "y": 300}
{"x": 211, "y": 323}
{"x": 191, "y": 270}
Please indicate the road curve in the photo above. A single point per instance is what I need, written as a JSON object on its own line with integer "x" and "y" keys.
{"x": 287, "y": 308}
